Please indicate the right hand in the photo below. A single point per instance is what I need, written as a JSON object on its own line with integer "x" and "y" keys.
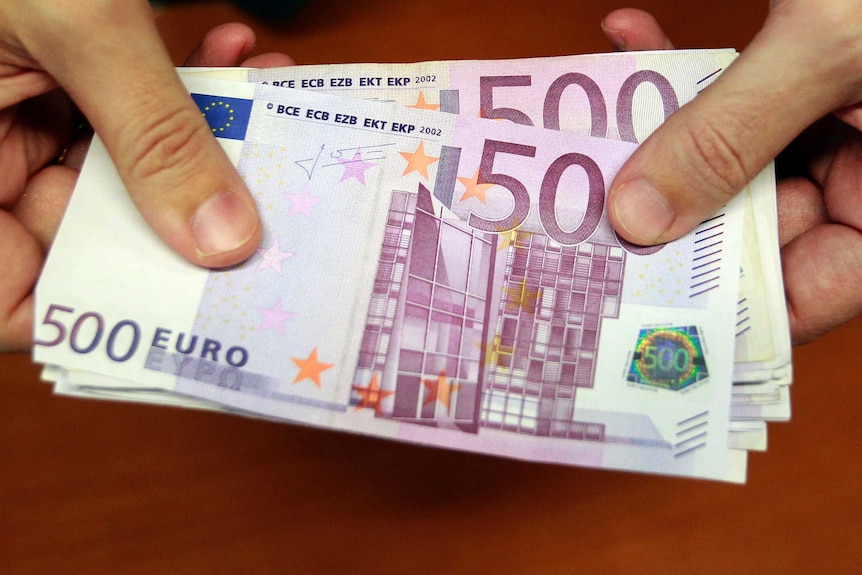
{"x": 802, "y": 74}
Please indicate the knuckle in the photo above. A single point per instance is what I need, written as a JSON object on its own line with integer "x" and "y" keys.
{"x": 166, "y": 141}
{"x": 718, "y": 164}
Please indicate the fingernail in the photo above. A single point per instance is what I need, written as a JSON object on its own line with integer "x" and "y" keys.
{"x": 617, "y": 38}
{"x": 642, "y": 212}
{"x": 223, "y": 223}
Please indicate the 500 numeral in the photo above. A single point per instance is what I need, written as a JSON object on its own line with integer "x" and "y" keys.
{"x": 86, "y": 331}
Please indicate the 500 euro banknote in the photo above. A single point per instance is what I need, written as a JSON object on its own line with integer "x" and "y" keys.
{"x": 433, "y": 278}
{"x": 620, "y": 96}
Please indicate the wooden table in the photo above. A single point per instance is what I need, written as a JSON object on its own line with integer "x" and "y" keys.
{"x": 101, "y": 487}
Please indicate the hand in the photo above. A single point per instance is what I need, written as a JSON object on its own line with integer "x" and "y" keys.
{"x": 108, "y": 58}
{"x": 797, "y": 88}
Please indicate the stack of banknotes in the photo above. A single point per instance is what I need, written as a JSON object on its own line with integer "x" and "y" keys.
{"x": 437, "y": 267}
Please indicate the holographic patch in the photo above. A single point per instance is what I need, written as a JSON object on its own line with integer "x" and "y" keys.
{"x": 668, "y": 357}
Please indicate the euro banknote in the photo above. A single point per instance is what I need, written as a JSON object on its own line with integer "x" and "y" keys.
{"x": 643, "y": 88}
{"x": 617, "y": 96}
{"x": 621, "y": 96}
{"x": 434, "y": 278}
{"x": 420, "y": 85}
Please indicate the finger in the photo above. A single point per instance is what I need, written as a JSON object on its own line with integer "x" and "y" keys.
{"x": 180, "y": 179}
{"x": 844, "y": 181}
{"x": 75, "y": 154}
{"x": 851, "y": 115}
{"x": 230, "y": 45}
{"x": 812, "y": 153}
{"x": 20, "y": 259}
{"x": 822, "y": 273}
{"x": 19, "y": 82}
{"x": 226, "y": 45}
{"x": 269, "y": 60}
{"x": 31, "y": 134}
{"x": 44, "y": 201}
{"x": 629, "y": 29}
{"x": 711, "y": 148}
{"x": 800, "y": 208}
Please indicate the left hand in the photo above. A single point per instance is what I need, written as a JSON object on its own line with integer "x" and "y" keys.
{"x": 36, "y": 187}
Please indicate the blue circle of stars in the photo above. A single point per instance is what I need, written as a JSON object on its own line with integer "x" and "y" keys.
{"x": 219, "y": 115}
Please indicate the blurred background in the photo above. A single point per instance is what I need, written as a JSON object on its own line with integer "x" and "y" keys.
{"x": 101, "y": 487}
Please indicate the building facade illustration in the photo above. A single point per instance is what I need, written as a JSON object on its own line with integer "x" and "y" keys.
{"x": 470, "y": 329}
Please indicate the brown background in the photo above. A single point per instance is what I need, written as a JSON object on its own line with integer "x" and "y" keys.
{"x": 99, "y": 487}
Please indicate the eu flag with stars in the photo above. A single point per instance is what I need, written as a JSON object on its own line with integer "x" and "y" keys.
{"x": 227, "y": 117}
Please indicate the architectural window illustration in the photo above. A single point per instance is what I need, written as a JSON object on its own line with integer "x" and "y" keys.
{"x": 498, "y": 330}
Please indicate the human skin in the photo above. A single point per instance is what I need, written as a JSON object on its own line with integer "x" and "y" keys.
{"x": 795, "y": 91}
{"x": 61, "y": 63}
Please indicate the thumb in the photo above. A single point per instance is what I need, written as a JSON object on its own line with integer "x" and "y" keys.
{"x": 795, "y": 71}
{"x": 110, "y": 59}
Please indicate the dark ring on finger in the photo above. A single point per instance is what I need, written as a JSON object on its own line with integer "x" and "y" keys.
{"x": 80, "y": 128}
